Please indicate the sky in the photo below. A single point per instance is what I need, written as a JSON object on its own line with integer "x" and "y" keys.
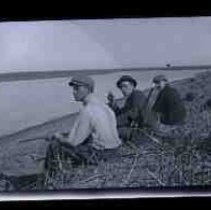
{"x": 103, "y": 44}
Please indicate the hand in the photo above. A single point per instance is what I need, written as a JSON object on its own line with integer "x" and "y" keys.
{"x": 110, "y": 96}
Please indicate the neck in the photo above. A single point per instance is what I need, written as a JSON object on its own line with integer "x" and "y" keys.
{"x": 130, "y": 93}
{"x": 86, "y": 99}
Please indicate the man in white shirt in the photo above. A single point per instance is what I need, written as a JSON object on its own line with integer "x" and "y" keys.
{"x": 94, "y": 131}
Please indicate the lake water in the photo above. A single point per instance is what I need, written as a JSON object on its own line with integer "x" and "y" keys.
{"x": 28, "y": 103}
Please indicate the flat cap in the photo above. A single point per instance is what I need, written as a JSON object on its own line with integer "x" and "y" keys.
{"x": 126, "y": 78}
{"x": 159, "y": 78}
{"x": 79, "y": 80}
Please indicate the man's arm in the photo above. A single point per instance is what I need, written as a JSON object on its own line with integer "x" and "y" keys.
{"x": 126, "y": 118}
{"x": 133, "y": 111}
{"x": 81, "y": 130}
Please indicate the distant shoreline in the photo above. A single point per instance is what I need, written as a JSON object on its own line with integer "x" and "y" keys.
{"x": 35, "y": 75}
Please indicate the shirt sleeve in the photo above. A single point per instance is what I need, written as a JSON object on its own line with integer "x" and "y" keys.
{"x": 81, "y": 129}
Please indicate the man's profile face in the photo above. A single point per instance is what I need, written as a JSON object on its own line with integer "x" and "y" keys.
{"x": 160, "y": 85}
{"x": 126, "y": 88}
{"x": 80, "y": 92}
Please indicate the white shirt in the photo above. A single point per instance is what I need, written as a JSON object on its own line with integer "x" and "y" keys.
{"x": 98, "y": 120}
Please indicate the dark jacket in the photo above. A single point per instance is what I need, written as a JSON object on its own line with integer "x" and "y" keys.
{"x": 170, "y": 106}
{"x": 132, "y": 111}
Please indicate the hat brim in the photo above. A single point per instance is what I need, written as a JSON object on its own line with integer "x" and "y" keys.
{"x": 160, "y": 80}
{"x": 72, "y": 84}
{"x": 126, "y": 80}
{"x": 76, "y": 84}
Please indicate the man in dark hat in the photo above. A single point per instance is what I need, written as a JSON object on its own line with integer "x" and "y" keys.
{"x": 132, "y": 113}
{"x": 168, "y": 104}
{"x": 94, "y": 132}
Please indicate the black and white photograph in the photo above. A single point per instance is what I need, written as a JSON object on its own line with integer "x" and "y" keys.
{"x": 97, "y": 104}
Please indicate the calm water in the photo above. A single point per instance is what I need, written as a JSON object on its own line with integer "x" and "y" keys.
{"x": 27, "y": 103}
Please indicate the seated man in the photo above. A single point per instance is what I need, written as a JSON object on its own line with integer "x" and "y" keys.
{"x": 168, "y": 105}
{"x": 132, "y": 114}
{"x": 94, "y": 132}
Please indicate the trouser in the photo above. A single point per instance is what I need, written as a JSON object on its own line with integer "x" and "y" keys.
{"x": 80, "y": 155}
{"x": 126, "y": 133}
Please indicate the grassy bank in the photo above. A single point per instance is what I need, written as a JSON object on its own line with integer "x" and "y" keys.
{"x": 182, "y": 159}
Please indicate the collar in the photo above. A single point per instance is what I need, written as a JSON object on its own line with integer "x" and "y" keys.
{"x": 131, "y": 95}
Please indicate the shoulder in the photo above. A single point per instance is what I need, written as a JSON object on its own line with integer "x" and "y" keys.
{"x": 137, "y": 98}
{"x": 171, "y": 94}
{"x": 174, "y": 92}
{"x": 85, "y": 112}
{"x": 138, "y": 94}
{"x": 168, "y": 90}
{"x": 95, "y": 108}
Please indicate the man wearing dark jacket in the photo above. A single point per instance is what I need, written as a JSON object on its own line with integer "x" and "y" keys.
{"x": 168, "y": 104}
{"x": 132, "y": 111}
{"x": 132, "y": 114}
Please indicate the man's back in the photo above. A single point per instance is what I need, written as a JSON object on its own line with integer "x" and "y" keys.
{"x": 170, "y": 105}
{"x": 103, "y": 124}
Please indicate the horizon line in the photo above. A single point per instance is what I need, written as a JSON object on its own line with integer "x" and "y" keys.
{"x": 168, "y": 67}
{"x": 50, "y": 74}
